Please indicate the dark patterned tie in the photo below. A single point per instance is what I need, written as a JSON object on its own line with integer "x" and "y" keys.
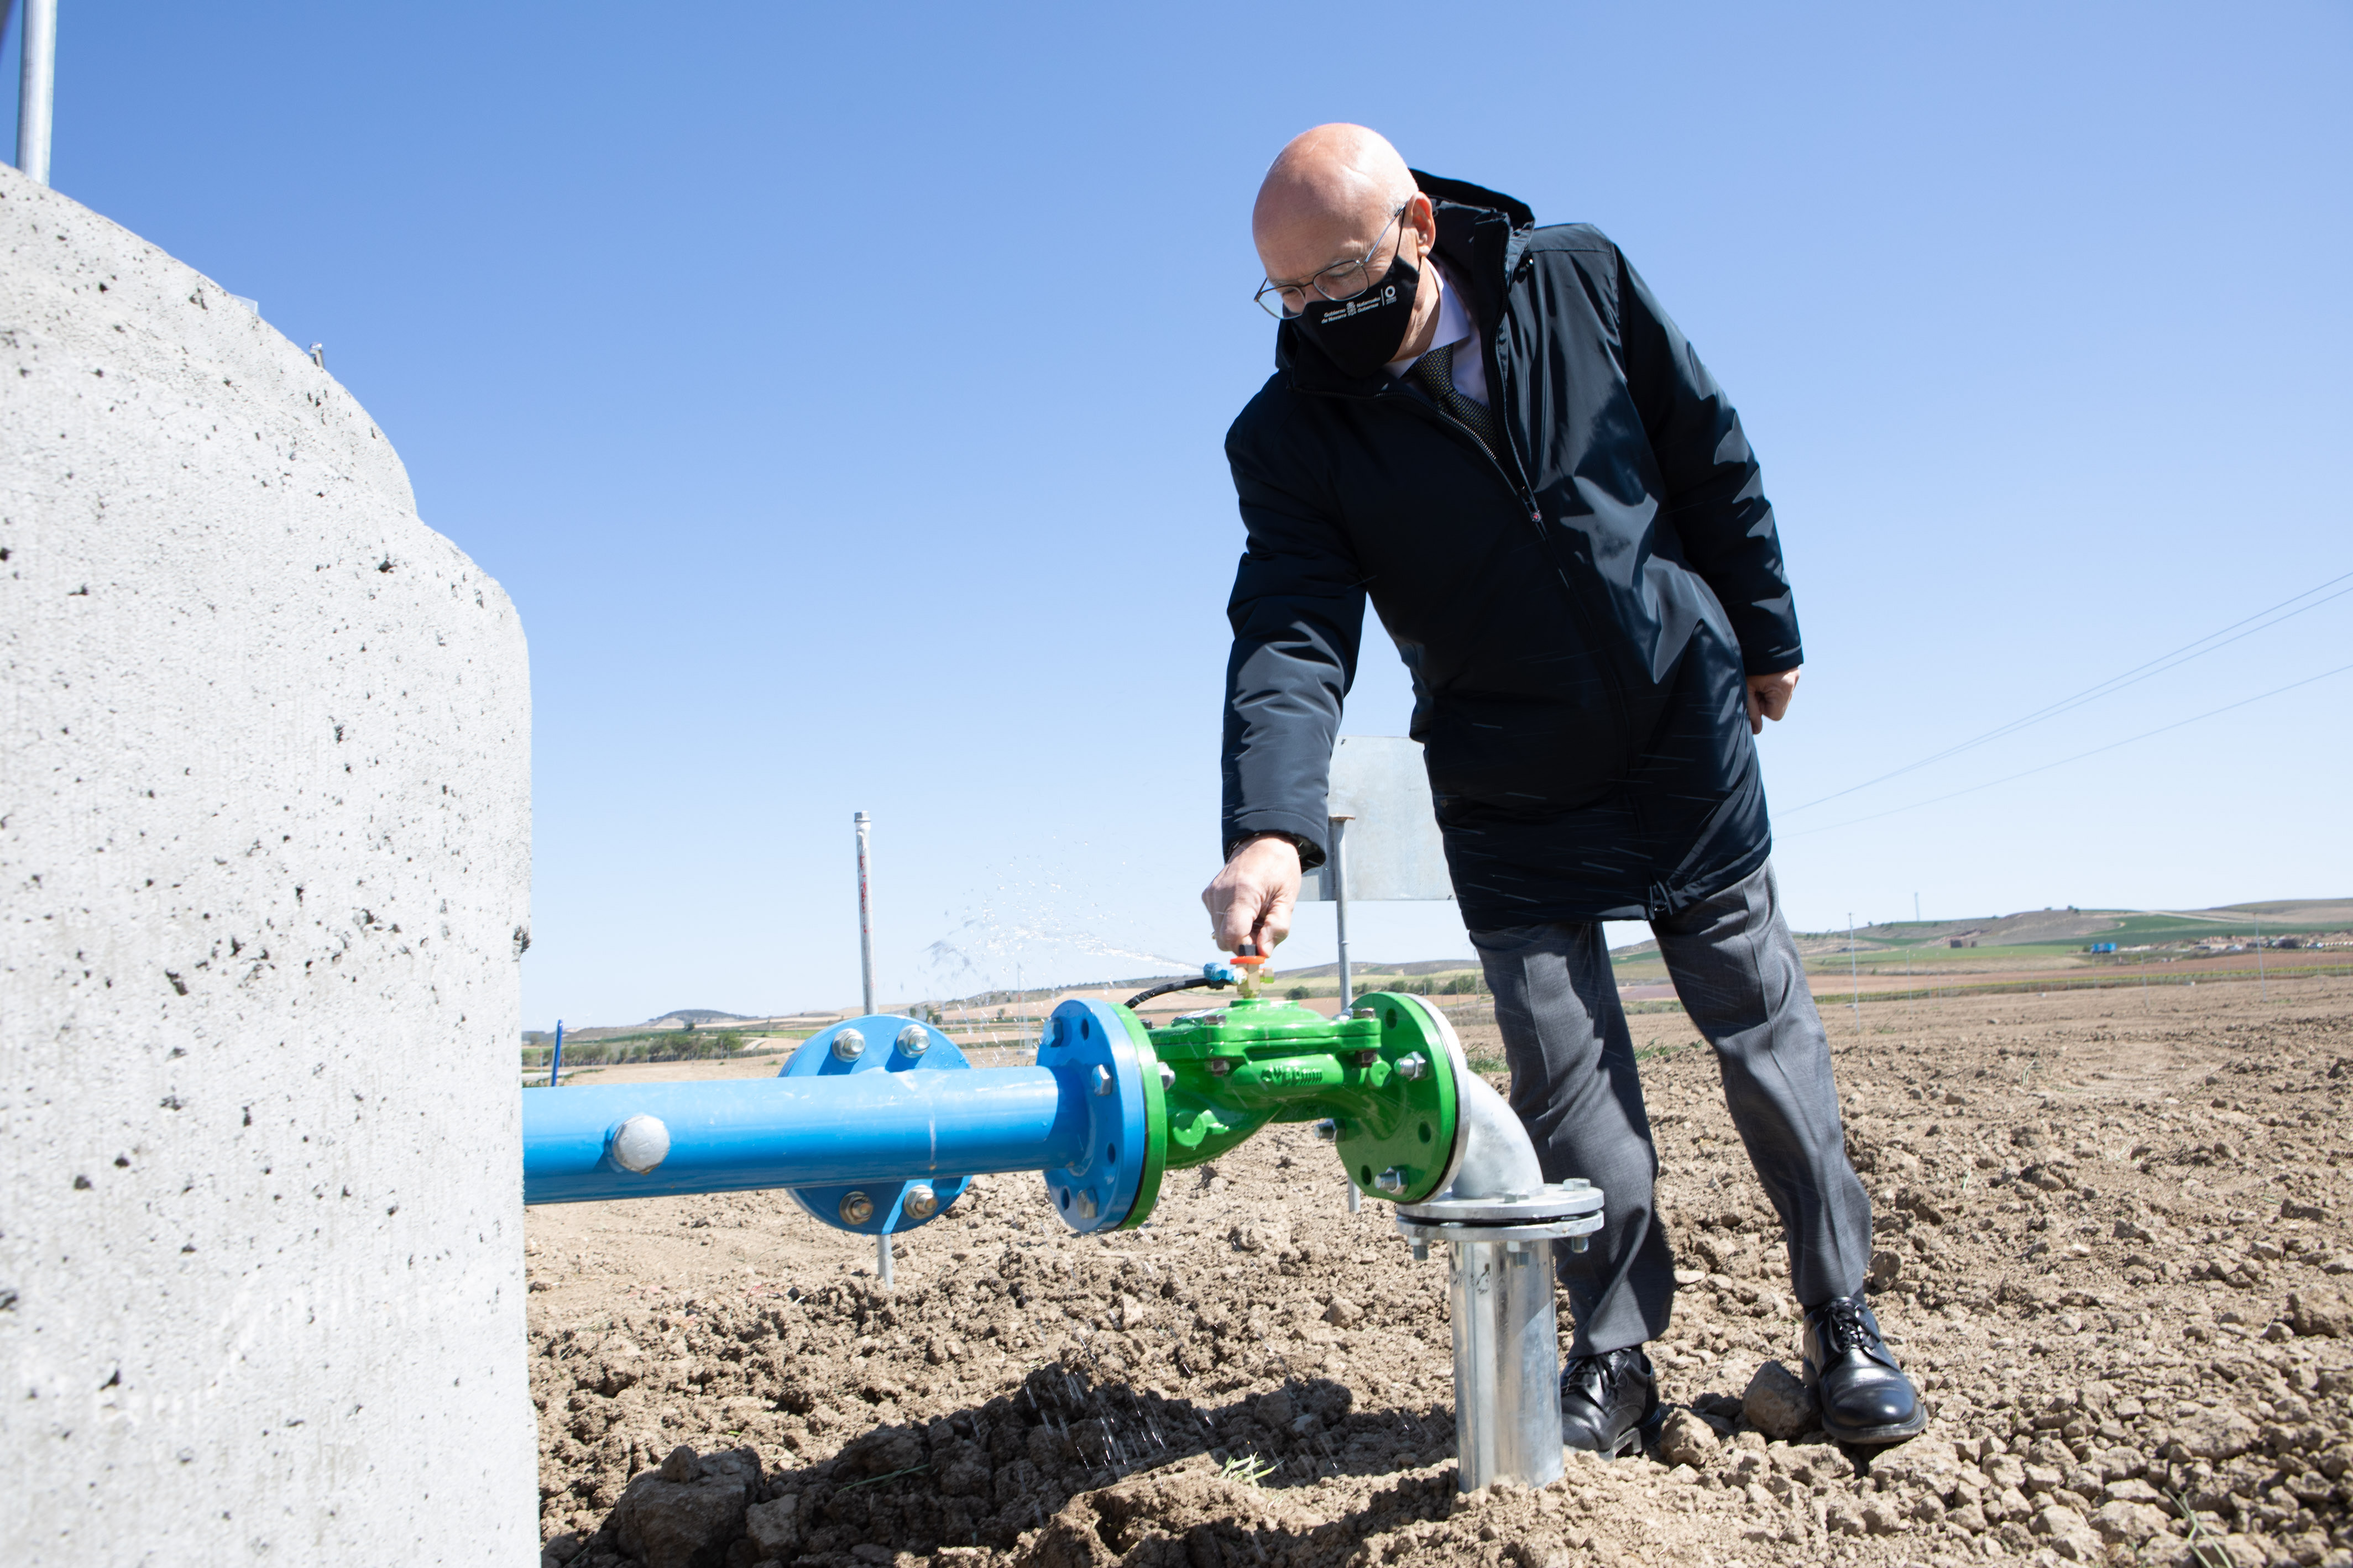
{"x": 1435, "y": 371}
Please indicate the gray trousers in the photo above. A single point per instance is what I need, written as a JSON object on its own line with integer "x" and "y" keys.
{"x": 1575, "y": 1084}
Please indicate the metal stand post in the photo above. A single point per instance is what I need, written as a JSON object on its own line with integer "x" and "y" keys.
{"x": 36, "y": 83}
{"x": 882, "y": 1260}
{"x": 555, "y": 1063}
{"x": 1499, "y": 1254}
{"x": 1338, "y": 872}
{"x": 1507, "y": 1362}
{"x": 1854, "y": 974}
{"x": 865, "y": 916}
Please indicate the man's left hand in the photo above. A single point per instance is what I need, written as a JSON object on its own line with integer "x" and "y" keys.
{"x": 1769, "y": 698}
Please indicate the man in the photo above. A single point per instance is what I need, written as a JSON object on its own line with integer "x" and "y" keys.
{"x": 1494, "y": 432}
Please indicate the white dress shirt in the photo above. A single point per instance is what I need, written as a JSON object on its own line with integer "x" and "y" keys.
{"x": 1455, "y": 328}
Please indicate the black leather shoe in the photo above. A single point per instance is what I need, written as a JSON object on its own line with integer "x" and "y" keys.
{"x": 1607, "y": 1402}
{"x": 1863, "y": 1395}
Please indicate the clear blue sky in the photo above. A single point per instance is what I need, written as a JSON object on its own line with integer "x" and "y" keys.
{"x": 838, "y": 393}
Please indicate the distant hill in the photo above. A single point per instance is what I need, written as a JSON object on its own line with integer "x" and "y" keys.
{"x": 697, "y": 1016}
{"x": 1358, "y": 966}
{"x": 2075, "y": 927}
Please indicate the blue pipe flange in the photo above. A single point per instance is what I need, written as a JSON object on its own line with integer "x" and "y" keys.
{"x": 878, "y": 1042}
{"x": 1099, "y": 1052}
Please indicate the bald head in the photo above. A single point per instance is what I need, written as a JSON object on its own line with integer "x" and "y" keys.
{"x": 1328, "y": 199}
{"x": 1334, "y": 187}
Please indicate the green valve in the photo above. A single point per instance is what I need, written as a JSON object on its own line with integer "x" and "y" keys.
{"x": 1379, "y": 1079}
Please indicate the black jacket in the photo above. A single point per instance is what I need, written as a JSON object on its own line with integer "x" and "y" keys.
{"x": 1578, "y": 619}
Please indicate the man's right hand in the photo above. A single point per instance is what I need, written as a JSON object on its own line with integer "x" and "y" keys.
{"x": 1251, "y": 900}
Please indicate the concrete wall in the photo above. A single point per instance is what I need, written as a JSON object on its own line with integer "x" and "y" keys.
{"x": 264, "y": 836}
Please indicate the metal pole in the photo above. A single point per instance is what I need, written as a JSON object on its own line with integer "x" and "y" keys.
{"x": 865, "y": 916}
{"x": 555, "y": 1063}
{"x": 1338, "y": 871}
{"x": 882, "y": 1260}
{"x": 1854, "y": 975}
{"x": 37, "y": 89}
{"x": 2263, "y": 984}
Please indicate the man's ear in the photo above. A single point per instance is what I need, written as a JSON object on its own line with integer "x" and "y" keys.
{"x": 1424, "y": 220}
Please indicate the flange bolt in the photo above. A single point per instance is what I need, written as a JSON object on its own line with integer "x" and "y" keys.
{"x": 921, "y": 1202}
{"x": 1391, "y": 1181}
{"x": 1220, "y": 1067}
{"x": 849, "y": 1046}
{"x": 914, "y": 1040}
{"x": 857, "y": 1208}
{"x": 1414, "y": 1067}
{"x": 1103, "y": 1080}
{"x": 1167, "y": 1075}
{"x": 1422, "y": 1252}
{"x": 1327, "y": 1132}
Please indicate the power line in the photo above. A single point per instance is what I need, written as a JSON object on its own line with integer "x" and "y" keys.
{"x": 2114, "y": 684}
{"x": 2078, "y": 757}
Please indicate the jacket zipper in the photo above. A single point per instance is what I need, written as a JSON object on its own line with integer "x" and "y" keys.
{"x": 1514, "y": 480}
{"x": 1526, "y": 494}
{"x": 1518, "y": 485}
{"x": 1499, "y": 379}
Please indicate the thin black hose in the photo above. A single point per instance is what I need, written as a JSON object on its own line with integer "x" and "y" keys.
{"x": 1192, "y": 984}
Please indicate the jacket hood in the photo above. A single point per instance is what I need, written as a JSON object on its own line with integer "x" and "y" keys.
{"x": 1463, "y": 194}
{"x": 1480, "y": 233}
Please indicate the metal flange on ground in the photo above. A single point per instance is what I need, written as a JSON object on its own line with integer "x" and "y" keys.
{"x": 1115, "y": 1179}
{"x": 878, "y": 1043}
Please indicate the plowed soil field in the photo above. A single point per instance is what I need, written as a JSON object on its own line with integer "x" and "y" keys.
{"x": 2113, "y": 1244}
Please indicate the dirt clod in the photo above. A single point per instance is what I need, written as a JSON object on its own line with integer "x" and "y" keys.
{"x": 1778, "y": 1402}
{"x": 2319, "y": 1312}
{"x": 685, "y": 1513}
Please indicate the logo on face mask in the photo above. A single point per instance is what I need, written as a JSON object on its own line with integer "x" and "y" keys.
{"x": 1370, "y": 300}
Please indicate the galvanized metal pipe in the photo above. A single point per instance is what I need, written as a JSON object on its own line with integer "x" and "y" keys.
{"x": 1499, "y": 1219}
{"x": 1506, "y": 1362}
{"x": 739, "y": 1134}
{"x": 36, "y": 82}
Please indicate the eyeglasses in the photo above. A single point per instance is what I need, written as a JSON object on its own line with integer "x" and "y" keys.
{"x": 1343, "y": 281}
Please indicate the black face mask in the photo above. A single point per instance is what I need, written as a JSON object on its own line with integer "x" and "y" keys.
{"x": 1362, "y": 334}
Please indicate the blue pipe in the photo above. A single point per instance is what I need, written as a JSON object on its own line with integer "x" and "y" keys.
{"x": 735, "y": 1134}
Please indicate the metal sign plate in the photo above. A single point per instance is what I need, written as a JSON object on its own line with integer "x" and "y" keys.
{"x": 1394, "y": 849}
